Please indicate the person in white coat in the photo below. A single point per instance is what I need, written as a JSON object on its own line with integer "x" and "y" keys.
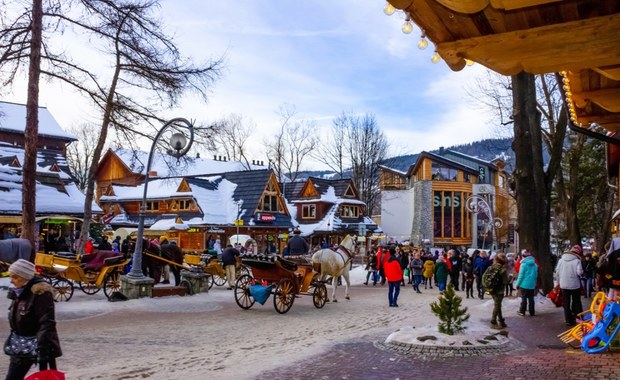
{"x": 568, "y": 273}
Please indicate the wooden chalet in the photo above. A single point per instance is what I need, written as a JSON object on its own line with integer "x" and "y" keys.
{"x": 198, "y": 210}
{"x": 423, "y": 200}
{"x": 328, "y": 209}
{"x": 576, "y": 38}
{"x": 59, "y": 202}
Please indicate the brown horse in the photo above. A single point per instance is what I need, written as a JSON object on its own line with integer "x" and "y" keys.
{"x": 152, "y": 267}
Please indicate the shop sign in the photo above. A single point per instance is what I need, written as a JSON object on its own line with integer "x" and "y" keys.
{"x": 265, "y": 217}
{"x": 215, "y": 231}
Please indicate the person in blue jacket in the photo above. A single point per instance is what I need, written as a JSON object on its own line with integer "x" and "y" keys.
{"x": 526, "y": 283}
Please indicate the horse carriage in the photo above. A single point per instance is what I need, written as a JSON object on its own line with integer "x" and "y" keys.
{"x": 284, "y": 279}
{"x": 100, "y": 269}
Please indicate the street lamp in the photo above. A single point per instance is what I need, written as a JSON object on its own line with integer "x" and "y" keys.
{"x": 238, "y": 220}
{"x": 179, "y": 147}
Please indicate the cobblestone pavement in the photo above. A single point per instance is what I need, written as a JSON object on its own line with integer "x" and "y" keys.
{"x": 539, "y": 354}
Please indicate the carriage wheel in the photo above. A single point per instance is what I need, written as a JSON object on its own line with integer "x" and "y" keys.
{"x": 242, "y": 292}
{"x": 89, "y": 287}
{"x": 219, "y": 281}
{"x": 112, "y": 283}
{"x": 284, "y": 295}
{"x": 64, "y": 290}
{"x": 209, "y": 280}
{"x": 188, "y": 287}
{"x": 319, "y": 296}
{"x": 245, "y": 270}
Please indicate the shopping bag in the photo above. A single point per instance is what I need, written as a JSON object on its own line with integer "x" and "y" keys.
{"x": 406, "y": 274}
{"x": 555, "y": 295}
{"x": 48, "y": 374}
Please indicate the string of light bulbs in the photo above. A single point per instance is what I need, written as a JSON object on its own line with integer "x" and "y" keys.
{"x": 407, "y": 28}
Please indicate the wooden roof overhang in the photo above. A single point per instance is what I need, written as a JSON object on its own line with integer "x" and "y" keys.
{"x": 578, "y": 38}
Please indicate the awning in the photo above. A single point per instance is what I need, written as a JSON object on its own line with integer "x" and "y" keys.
{"x": 12, "y": 219}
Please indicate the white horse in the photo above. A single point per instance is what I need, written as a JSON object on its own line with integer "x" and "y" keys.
{"x": 335, "y": 264}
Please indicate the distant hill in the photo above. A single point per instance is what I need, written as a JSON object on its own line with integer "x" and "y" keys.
{"x": 486, "y": 150}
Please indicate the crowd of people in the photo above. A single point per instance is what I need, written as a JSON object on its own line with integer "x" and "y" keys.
{"x": 578, "y": 275}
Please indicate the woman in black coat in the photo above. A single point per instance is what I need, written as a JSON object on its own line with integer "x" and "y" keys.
{"x": 32, "y": 313}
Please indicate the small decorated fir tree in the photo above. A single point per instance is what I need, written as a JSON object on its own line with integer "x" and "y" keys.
{"x": 451, "y": 314}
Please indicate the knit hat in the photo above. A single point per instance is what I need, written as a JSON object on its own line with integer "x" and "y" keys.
{"x": 501, "y": 258}
{"x": 23, "y": 269}
{"x": 576, "y": 249}
{"x": 526, "y": 253}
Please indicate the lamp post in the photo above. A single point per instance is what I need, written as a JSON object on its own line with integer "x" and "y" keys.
{"x": 238, "y": 221}
{"x": 179, "y": 147}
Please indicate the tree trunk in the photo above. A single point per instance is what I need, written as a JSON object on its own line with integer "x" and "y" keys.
{"x": 31, "y": 132}
{"x": 532, "y": 189}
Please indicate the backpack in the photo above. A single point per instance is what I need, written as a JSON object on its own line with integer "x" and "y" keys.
{"x": 492, "y": 277}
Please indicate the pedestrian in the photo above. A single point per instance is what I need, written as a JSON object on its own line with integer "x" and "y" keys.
{"x": 297, "y": 245}
{"x": 481, "y": 264}
{"x": 455, "y": 268}
{"x": 371, "y": 267}
{"x": 495, "y": 283}
{"x": 510, "y": 265}
{"x": 429, "y": 270}
{"x": 403, "y": 258}
{"x": 441, "y": 273}
{"x": 526, "y": 283}
{"x": 568, "y": 272}
{"x": 230, "y": 260}
{"x": 468, "y": 273}
{"x": 589, "y": 268}
{"x": 416, "y": 266}
{"x": 394, "y": 275}
{"x": 382, "y": 257}
{"x": 32, "y": 313}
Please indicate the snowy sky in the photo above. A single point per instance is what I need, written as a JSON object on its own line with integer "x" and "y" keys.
{"x": 322, "y": 58}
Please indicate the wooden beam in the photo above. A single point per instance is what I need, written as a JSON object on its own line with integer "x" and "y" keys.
{"x": 475, "y": 6}
{"x": 608, "y": 99}
{"x": 573, "y": 45}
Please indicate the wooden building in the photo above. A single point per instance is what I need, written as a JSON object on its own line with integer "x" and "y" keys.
{"x": 326, "y": 210}
{"x": 59, "y": 202}
{"x": 195, "y": 209}
{"x": 424, "y": 200}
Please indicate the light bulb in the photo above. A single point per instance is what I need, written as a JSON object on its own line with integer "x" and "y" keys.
{"x": 407, "y": 27}
{"x": 389, "y": 9}
{"x": 422, "y": 44}
{"x": 435, "y": 58}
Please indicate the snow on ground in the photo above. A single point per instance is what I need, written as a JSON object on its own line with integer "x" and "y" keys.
{"x": 207, "y": 335}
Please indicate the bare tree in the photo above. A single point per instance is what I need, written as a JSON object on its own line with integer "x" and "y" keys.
{"x": 358, "y": 146}
{"x": 287, "y": 149}
{"x": 144, "y": 61}
{"x": 81, "y": 152}
{"x": 231, "y": 136}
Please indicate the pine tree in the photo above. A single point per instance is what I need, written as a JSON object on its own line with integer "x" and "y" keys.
{"x": 448, "y": 309}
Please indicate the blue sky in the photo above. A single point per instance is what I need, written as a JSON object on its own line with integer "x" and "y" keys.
{"x": 321, "y": 57}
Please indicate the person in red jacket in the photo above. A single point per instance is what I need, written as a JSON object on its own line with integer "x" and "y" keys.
{"x": 394, "y": 274}
{"x": 382, "y": 257}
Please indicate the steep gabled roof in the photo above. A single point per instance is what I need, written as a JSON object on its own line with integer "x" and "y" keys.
{"x": 341, "y": 187}
{"x": 13, "y": 119}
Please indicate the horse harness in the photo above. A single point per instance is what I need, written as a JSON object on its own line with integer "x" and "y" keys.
{"x": 347, "y": 259}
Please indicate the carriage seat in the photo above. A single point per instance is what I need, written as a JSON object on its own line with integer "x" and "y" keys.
{"x": 66, "y": 255}
{"x": 287, "y": 264}
{"x": 98, "y": 259}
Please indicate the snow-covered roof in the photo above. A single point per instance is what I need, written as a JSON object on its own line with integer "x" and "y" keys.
{"x": 13, "y": 118}
{"x": 165, "y": 165}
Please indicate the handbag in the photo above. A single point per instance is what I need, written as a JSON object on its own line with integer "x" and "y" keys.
{"x": 21, "y": 346}
{"x": 555, "y": 295}
{"x": 48, "y": 374}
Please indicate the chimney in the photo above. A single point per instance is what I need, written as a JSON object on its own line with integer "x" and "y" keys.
{"x": 197, "y": 155}
{"x": 441, "y": 150}
{"x": 215, "y": 157}
{"x": 152, "y": 174}
{"x": 253, "y": 162}
{"x": 219, "y": 158}
{"x": 262, "y": 164}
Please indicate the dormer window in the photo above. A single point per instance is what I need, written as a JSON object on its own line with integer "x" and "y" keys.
{"x": 308, "y": 211}
{"x": 350, "y": 211}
